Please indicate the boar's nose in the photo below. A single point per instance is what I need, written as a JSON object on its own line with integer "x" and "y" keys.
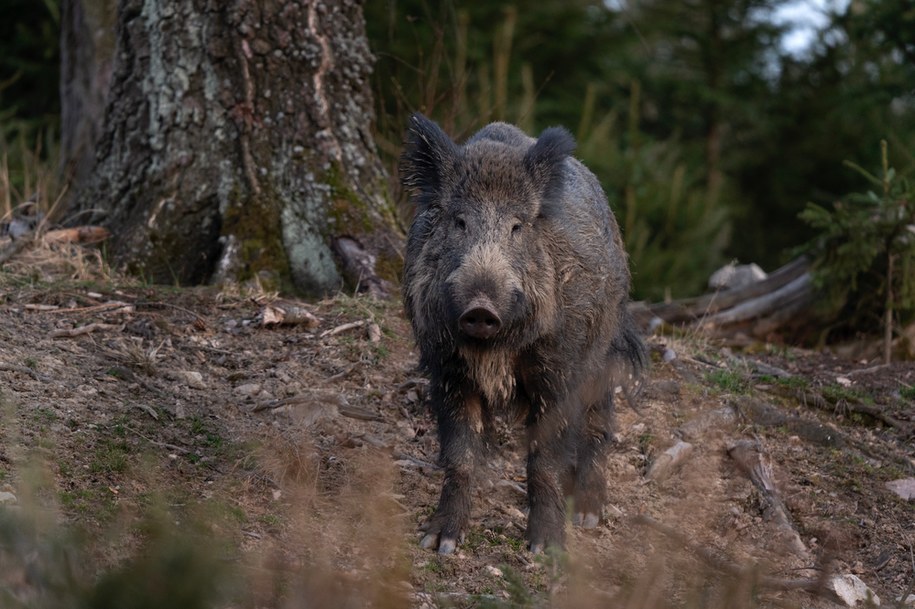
{"x": 479, "y": 320}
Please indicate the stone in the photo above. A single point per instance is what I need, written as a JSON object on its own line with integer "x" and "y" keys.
{"x": 904, "y": 487}
{"x": 732, "y": 276}
{"x": 191, "y": 378}
{"x": 852, "y": 591}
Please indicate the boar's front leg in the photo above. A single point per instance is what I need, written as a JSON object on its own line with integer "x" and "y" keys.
{"x": 590, "y": 487}
{"x": 460, "y": 426}
{"x": 548, "y": 461}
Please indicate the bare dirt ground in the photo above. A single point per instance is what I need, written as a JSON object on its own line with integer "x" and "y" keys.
{"x": 299, "y": 459}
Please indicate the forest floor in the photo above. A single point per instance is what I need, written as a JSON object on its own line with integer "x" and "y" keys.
{"x": 166, "y": 441}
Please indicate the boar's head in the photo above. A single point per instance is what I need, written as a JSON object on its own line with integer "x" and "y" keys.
{"x": 479, "y": 269}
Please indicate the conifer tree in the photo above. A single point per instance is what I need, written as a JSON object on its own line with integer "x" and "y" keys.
{"x": 865, "y": 265}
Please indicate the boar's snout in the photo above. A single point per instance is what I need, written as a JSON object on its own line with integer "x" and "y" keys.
{"x": 479, "y": 319}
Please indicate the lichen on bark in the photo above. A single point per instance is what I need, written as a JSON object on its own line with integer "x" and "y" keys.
{"x": 238, "y": 142}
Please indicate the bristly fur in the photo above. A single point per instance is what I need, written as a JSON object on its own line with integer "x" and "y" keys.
{"x": 521, "y": 226}
{"x": 545, "y": 161}
{"x": 428, "y": 157}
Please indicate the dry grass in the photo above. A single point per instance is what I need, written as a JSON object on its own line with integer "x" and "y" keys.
{"x": 30, "y": 184}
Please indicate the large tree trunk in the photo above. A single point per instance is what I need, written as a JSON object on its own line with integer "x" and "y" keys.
{"x": 237, "y": 144}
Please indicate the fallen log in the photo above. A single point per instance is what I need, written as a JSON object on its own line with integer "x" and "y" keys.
{"x": 783, "y": 300}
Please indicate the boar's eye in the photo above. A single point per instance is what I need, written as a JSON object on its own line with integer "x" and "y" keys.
{"x": 460, "y": 224}
{"x": 516, "y": 228}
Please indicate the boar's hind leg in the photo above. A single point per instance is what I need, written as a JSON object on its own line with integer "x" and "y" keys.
{"x": 548, "y": 463}
{"x": 590, "y": 492}
{"x": 460, "y": 425}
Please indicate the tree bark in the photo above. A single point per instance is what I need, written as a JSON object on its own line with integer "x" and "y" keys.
{"x": 238, "y": 145}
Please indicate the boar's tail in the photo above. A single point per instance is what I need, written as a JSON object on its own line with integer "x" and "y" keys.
{"x": 630, "y": 356}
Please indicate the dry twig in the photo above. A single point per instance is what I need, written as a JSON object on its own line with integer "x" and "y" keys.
{"x": 115, "y": 305}
{"x": 752, "y": 462}
{"x": 25, "y": 370}
{"x": 177, "y": 449}
{"x": 806, "y": 396}
{"x": 813, "y": 585}
{"x": 343, "y": 328}
{"x": 87, "y": 329}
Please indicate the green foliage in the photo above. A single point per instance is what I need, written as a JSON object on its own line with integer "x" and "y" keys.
{"x": 467, "y": 64}
{"x": 29, "y": 68}
{"x": 837, "y": 102}
{"x": 170, "y": 569}
{"x": 674, "y": 229}
{"x": 728, "y": 380}
{"x": 865, "y": 250}
{"x": 722, "y": 134}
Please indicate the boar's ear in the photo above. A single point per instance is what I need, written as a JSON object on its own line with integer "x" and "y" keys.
{"x": 545, "y": 161}
{"x": 428, "y": 159}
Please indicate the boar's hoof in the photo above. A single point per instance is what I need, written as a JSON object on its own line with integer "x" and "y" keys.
{"x": 446, "y": 545}
{"x": 587, "y": 520}
{"x": 550, "y": 540}
{"x": 479, "y": 320}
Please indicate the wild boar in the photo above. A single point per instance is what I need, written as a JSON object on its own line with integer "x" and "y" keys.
{"x": 516, "y": 284}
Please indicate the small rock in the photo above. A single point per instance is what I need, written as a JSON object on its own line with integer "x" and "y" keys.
{"x": 191, "y": 378}
{"x": 374, "y": 333}
{"x": 908, "y": 602}
{"x": 670, "y": 460}
{"x": 7, "y": 498}
{"x": 87, "y": 390}
{"x": 732, "y": 276}
{"x": 904, "y": 487}
{"x": 494, "y": 571}
{"x": 852, "y": 591}
{"x": 248, "y": 390}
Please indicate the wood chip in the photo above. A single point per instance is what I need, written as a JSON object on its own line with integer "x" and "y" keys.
{"x": 287, "y": 313}
{"x": 78, "y": 234}
{"x": 374, "y": 333}
{"x": 343, "y": 328}
{"x": 40, "y": 307}
{"x": 669, "y": 461}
